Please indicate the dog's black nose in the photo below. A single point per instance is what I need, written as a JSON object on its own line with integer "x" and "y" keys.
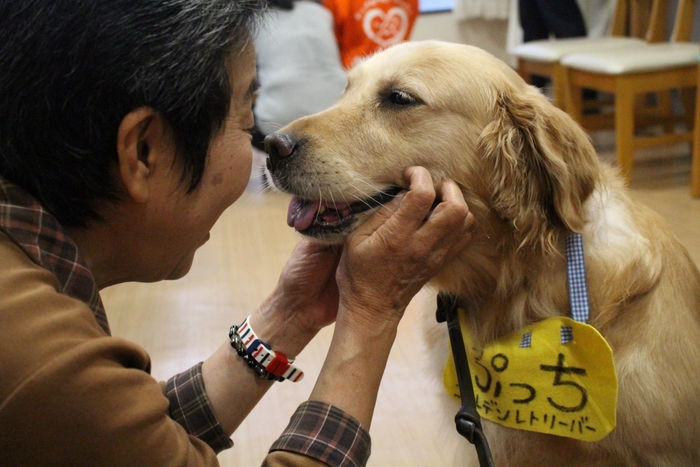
{"x": 278, "y": 146}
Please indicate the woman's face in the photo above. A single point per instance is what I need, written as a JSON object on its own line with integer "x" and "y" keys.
{"x": 183, "y": 220}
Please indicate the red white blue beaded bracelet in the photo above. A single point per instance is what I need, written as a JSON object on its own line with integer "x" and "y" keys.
{"x": 268, "y": 364}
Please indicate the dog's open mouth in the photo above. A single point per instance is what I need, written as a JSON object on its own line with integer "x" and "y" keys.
{"x": 314, "y": 217}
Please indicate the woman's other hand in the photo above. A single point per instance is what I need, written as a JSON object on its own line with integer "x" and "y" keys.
{"x": 391, "y": 256}
{"x": 305, "y": 299}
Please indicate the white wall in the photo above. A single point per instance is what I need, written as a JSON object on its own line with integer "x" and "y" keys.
{"x": 489, "y": 35}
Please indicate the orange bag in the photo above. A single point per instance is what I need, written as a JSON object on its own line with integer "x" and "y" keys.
{"x": 363, "y": 27}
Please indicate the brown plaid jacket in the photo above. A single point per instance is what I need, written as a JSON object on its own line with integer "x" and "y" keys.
{"x": 316, "y": 430}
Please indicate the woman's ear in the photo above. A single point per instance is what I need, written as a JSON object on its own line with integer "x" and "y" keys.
{"x": 141, "y": 140}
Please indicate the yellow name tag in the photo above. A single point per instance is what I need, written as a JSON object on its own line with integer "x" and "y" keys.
{"x": 555, "y": 377}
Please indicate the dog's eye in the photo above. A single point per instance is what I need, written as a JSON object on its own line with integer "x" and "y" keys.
{"x": 401, "y": 98}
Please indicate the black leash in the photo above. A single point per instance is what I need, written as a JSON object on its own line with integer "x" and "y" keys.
{"x": 467, "y": 419}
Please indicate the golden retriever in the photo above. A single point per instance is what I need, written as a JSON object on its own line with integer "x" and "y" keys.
{"x": 531, "y": 177}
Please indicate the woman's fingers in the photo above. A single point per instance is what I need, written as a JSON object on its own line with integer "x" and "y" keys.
{"x": 406, "y": 212}
{"x": 406, "y": 243}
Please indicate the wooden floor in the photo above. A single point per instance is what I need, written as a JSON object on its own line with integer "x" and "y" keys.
{"x": 182, "y": 322}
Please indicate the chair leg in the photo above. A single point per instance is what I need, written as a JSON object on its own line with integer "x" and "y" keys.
{"x": 558, "y": 86}
{"x": 695, "y": 170}
{"x": 571, "y": 94}
{"x": 522, "y": 72}
{"x": 664, "y": 109}
{"x": 624, "y": 129}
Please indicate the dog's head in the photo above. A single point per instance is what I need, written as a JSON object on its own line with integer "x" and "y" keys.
{"x": 522, "y": 164}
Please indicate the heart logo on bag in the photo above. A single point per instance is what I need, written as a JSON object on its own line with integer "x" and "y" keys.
{"x": 386, "y": 28}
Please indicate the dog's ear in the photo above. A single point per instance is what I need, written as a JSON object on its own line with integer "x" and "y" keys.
{"x": 544, "y": 166}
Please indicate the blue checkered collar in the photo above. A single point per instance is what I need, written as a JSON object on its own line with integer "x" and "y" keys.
{"x": 576, "y": 276}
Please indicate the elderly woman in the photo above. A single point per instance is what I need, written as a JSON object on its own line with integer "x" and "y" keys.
{"x": 123, "y": 137}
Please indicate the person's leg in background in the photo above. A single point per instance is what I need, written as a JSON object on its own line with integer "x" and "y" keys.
{"x": 532, "y": 21}
{"x": 563, "y": 18}
{"x": 540, "y": 19}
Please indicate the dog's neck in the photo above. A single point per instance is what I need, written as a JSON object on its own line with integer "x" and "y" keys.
{"x": 504, "y": 287}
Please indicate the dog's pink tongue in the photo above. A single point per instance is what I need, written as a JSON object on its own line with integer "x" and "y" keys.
{"x": 301, "y": 213}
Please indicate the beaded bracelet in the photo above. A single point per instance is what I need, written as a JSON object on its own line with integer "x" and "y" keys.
{"x": 260, "y": 357}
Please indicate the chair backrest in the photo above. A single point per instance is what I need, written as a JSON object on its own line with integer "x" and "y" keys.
{"x": 683, "y": 25}
{"x": 618, "y": 25}
{"x": 656, "y": 32}
{"x": 640, "y": 18}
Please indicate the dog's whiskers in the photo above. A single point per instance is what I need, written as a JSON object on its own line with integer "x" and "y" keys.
{"x": 259, "y": 189}
{"x": 375, "y": 189}
{"x": 332, "y": 198}
{"x": 275, "y": 125}
{"x": 345, "y": 199}
{"x": 320, "y": 200}
{"x": 363, "y": 200}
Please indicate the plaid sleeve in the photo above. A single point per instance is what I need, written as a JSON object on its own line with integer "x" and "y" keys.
{"x": 327, "y": 434}
{"x": 190, "y": 407}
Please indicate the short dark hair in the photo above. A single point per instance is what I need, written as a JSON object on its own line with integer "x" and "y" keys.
{"x": 71, "y": 70}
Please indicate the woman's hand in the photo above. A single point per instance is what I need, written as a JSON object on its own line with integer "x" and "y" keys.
{"x": 390, "y": 257}
{"x": 384, "y": 264}
{"x": 304, "y": 301}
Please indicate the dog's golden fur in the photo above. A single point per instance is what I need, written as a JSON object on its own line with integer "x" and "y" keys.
{"x": 530, "y": 176}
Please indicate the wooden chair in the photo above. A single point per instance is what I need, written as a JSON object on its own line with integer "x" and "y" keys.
{"x": 634, "y": 22}
{"x": 652, "y": 68}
